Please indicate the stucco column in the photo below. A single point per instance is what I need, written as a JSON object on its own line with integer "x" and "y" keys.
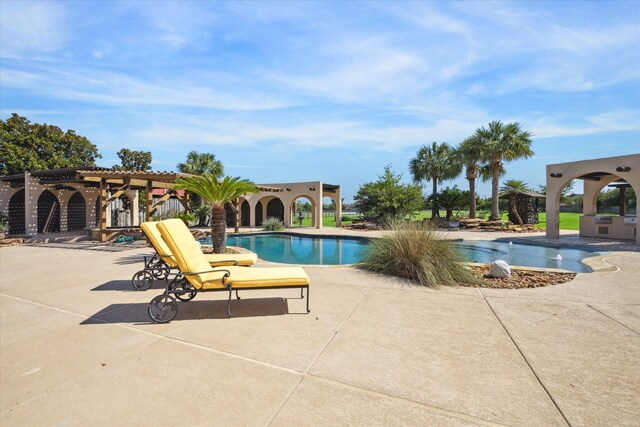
{"x": 253, "y": 201}
{"x": 554, "y": 189}
{"x": 590, "y": 197}
{"x": 91, "y": 215}
{"x": 6, "y": 192}
{"x": 286, "y": 202}
{"x": 318, "y": 192}
{"x": 338, "y": 201}
{"x": 31, "y": 194}
{"x": 134, "y": 214}
{"x": 63, "y": 203}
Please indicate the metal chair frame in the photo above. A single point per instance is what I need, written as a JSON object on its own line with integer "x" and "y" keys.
{"x": 180, "y": 288}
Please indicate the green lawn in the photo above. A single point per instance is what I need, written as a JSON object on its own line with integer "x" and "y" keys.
{"x": 568, "y": 220}
{"x": 327, "y": 221}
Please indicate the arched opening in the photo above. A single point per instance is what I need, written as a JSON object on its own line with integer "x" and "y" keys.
{"x": 16, "y": 214}
{"x": 259, "y": 214}
{"x": 76, "y": 212}
{"x": 48, "y": 213}
{"x": 121, "y": 212}
{"x": 275, "y": 209}
{"x": 328, "y": 212}
{"x": 245, "y": 214}
{"x": 230, "y": 215}
{"x": 604, "y": 214}
{"x": 303, "y": 212}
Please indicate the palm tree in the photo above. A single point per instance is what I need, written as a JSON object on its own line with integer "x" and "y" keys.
{"x": 437, "y": 162}
{"x": 450, "y": 199}
{"x": 201, "y": 163}
{"x": 217, "y": 194}
{"x": 513, "y": 187}
{"x": 502, "y": 143}
{"x": 470, "y": 154}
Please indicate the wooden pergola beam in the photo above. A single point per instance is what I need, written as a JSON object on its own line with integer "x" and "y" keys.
{"x": 149, "y": 211}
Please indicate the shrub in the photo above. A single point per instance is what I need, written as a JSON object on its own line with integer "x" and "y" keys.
{"x": 415, "y": 251}
{"x": 272, "y": 224}
{"x": 388, "y": 198}
{"x": 186, "y": 217}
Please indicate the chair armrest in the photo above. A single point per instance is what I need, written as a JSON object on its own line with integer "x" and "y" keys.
{"x": 190, "y": 273}
{"x": 232, "y": 261}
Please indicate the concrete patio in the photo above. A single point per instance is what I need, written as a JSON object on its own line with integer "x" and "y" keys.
{"x": 77, "y": 348}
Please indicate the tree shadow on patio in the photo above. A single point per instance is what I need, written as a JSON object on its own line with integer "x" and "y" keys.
{"x": 133, "y": 259}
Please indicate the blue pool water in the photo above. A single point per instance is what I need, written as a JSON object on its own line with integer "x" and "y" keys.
{"x": 296, "y": 249}
{"x": 524, "y": 255}
{"x": 290, "y": 249}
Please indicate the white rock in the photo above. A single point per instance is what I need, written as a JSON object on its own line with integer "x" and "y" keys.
{"x": 500, "y": 268}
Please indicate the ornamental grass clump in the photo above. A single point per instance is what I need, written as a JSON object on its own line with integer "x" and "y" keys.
{"x": 272, "y": 224}
{"x": 415, "y": 251}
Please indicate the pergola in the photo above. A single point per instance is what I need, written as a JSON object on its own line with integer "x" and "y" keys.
{"x": 109, "y": 183}
{"x": 622, "y": 172}
{"x": 97, "y": 187}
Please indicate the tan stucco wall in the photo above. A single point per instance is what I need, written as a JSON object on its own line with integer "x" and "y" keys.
{"x": 290, "y": 192}
{"x": 573, "y": 170}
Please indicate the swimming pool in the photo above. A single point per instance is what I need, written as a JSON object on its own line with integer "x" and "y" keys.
{"x": 296, "y": 249}
{"x": 524, "y": 255}
{"x": 299, "y": 249}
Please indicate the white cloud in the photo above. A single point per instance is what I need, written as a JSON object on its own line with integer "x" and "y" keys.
{"x": 109, "y": 88}
{"x": 613, "y": 121}
{"x": 31, "y": 27}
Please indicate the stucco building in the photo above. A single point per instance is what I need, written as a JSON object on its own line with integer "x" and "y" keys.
{"x": 621, "y": 172}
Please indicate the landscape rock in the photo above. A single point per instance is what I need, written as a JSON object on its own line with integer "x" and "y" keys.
{"x": 500, "y": 269}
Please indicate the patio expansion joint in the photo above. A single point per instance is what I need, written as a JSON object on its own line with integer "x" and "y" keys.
{"x": 355, "y": 307}
{"x": 426, "y": 406}
{"x": 611, "y": 318}
{"x": 535, "y": 374}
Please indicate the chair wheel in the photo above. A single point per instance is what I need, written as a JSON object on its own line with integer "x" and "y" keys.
{"x": 160, "y": 273}
{"x": 163, "y": 308}
{"x": 142, "y": 280}
{"x": 184, "y": 285}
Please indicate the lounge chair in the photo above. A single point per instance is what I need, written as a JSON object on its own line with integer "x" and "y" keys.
{"x": 200, "y": 277}
{"x": 160, "y": 265}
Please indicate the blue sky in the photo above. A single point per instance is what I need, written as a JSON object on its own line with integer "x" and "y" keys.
{"x": 330, "y": 91}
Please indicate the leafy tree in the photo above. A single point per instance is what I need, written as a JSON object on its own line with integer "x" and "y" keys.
{"x": 502, "y": 143}
{"x": 609, "y": 199}
{"x": 217, "y": 194}
{"x": 26, "y": 146}
{"x": 437, "y": 162}
{"x": 453, "y": 198}
{"x": 511, "y": 188}
{"x": 133, "y": 160}
{"x": 303, "y": 206}
{"x": 202, "y": 163}
{"x": 470, "y": 155}
{"x": 387, "y": 198}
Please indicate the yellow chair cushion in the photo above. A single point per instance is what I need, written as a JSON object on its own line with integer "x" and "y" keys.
{"x": 190, "y": 258}
{"x": 184, "y": 248}
{"x": 150, "y": 229}
{"x": 244, "y": 259}
{"x": 257, "y": 277}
